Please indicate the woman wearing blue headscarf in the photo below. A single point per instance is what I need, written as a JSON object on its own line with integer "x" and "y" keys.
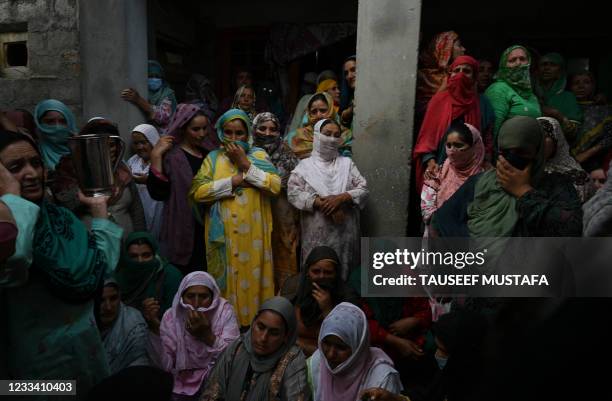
{"x": 55, "y": 123}
{"x": 161, "y": 103}
{"x": 235, "y": 183}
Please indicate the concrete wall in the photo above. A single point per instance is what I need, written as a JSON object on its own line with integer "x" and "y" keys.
{"x": 113, "y": 38}
{"x": 53, "y": 53}
{"x": 387, "y": 45}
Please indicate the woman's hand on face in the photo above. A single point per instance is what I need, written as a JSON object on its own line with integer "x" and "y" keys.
{"x": 197, "y": 324}
{"x": 237, "y": 156}
{"x": 323, "y": 298}
{"x": 8, "y": 183}
{"x": 514, "y": 181}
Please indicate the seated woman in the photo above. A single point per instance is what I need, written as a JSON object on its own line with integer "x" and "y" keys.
{"x": 345, "y": 364}
{"x": 286, "y": 219}
{"x": 147, "y": 281}
{"x": 559, "y": 160}
{"x": 320, "y": 107}
{"x": 330, "y": 191}
{"x": 557, "y": 102}
{"x": 54, "y": 308}
{"x": 175, "y": 159}
{"x": 235, "y": 184}
{"x": 513, "y": 199}
{"x": 458, "y": 103}
{"x": 160, "y": 105}
{"x": 123, "y": 330}
{"x": 594, "y": 139}
{"x": 194, "y": 333}
{"x": 319, "y": 289}
{"x": 465, "y": 157}
{"x": 264, "y": 363}
{"x": 457, "y": 360}
{"x": 597, "y": 220}
{"x": 512, "y": 94}
{"x": 144, "y": 138}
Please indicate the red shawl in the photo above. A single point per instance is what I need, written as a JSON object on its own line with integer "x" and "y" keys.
{"x": 460, "y": 98}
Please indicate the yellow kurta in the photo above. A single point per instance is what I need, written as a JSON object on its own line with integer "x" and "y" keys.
{"x": 247, "y": 220}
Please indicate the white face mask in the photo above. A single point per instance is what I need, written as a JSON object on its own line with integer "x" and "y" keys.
{"x": 326, "y": 146}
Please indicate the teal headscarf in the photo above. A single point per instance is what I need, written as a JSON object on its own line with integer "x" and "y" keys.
{"x": 518, "y": 78}
{"x": 556, "y": 96}
{"x": 54, "y": 139}
{"x": 155, "y": 98}
{"x": 215, "y": 254}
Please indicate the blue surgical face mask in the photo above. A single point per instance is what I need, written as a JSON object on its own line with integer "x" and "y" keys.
{"x": 441, "y": 361}
{"x": 155, "y": 84}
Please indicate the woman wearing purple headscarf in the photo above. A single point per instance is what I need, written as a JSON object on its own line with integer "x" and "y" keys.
{"x": 194, "y": 332}
{"x": 175, "y": 159}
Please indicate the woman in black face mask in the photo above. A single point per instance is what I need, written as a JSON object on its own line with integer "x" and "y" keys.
{"x": 285, "y": 235}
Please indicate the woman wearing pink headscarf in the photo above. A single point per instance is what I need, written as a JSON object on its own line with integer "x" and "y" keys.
{"x": 345, "y": 364}
{"x": 194, "y": 332}
{"x": 465, "y": 153}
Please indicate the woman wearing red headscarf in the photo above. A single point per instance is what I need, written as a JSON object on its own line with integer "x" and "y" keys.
{"x": 459, "y": 102}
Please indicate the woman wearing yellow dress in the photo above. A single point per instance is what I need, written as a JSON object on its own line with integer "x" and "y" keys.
{"x": 235, "y": 183}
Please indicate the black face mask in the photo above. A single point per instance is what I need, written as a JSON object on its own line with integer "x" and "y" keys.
{"x": 265, "y": 140}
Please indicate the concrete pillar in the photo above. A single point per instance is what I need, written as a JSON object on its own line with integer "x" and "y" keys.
{"x": 387, "y": 49}
{"x": 113, "y": 46}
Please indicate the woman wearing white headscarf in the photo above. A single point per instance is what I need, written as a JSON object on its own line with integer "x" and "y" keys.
{"x": 345, "y": 364}
{"x": 329, "y": 190}
{"x": 144, "y": 138}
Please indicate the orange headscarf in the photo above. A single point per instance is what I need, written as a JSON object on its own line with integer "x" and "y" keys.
{"x": 433, "y": 71}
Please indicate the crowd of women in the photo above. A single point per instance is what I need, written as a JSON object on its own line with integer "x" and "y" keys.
{"x": 227, "y": 260}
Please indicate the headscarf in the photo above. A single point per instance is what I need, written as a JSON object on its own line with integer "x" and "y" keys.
{"x": 459, "y": 166}
{"x": 200, "y": 88}
{"x": 301, "y": 140}
{"x": 597, "y": 218}
{"x": 262, "y": 366}
{"x": 133, "y": 276}
{"x": 493, "y": 212}
{"x": 125, "y": 342}
{"x": 460, "y": 99}
{"x": 518, "y": 78}
{"x": 188, "y": 349}
{"x": 216, "y": 229}
{"x": 236, "y": 103}
{"x": 433, "y": 71}
{"x": 562, "y": 162}
{"x": 350, "y": 324}
{"x": 155, "y": 98}
{"x": 556, "y": 96}
{"x": 346, "y": 92}
{"x": 53, "y": 140}
{"x": 310, "y": 311}
{"x": 324, "y": 86}
{"x": 269, "y": 144}
{"x": 559, "y": 85}
{"x": 184, "y": 113}
{"x": 149, "y": 131}
{"x": 325, "y": 170}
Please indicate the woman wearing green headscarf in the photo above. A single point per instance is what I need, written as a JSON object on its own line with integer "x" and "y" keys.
{"x": 235, "y": 184}
{"x": 511, "y": 94}
{"x": 557, "y": 102}
{"x": 160, "y": 105}
{"x": 511, "y": 200}
{"x": 144, "y": 275}
{"x": 55, "y": 124}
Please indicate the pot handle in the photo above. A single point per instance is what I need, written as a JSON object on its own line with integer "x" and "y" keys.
{"x": 121, "y": 142}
